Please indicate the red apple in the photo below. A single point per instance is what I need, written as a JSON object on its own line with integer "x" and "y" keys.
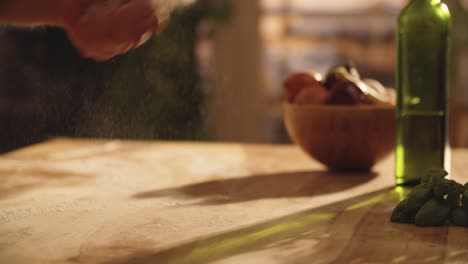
{"x": 312, "y": 95}
{"x": 298, "y": 81}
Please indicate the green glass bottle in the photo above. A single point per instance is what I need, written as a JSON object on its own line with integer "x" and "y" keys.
{"x": 422, "y": 40}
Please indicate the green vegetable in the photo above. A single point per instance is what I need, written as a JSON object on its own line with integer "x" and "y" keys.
{"x": 464, "y": 201}
{"x": 401, "y": 214}
{"x": 440, "y": 187}
{"x": 418, "y": 198}
{"x": 455, "y": 190}
{"x": 459, "y": 217}
{"x": 434, "y": 172}
{"x": 433, "y": 177}
{"x": 433, "y": 213}
{"x": 434, "y": 202}
{"x": 426, "y": 183}
{"x": 439, "y": 172}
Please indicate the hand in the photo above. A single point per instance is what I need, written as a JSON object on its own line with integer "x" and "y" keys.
{"x": 102, "y": 29}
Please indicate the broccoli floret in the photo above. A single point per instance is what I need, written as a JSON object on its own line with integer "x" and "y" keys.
{"x": 434, "y": 202}
{"x": 401, "y": 214}
{"x": 417, "y": 198}
{"x": 459, "y": 217}
{"x": 464, "y": 200}
{"x": 440, "y": 187}
{"x": 439, "y": 172}
{"x": 433, "y": 213}
{"x": 455, "y": 191}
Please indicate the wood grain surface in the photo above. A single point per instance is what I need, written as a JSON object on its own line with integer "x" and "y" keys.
{"x": 87, "y": 201}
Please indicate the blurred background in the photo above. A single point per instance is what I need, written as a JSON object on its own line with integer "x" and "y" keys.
{"x": 215, "y": 74}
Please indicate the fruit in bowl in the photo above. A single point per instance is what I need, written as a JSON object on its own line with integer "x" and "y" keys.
{"x": 341, "y": 86}
{"x": 344, "y": 122}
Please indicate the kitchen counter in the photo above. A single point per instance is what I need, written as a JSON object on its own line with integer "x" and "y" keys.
{"x": 90, "y": 201}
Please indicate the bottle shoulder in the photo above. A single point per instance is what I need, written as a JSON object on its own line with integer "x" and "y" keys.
{"x": 428, "y": 17}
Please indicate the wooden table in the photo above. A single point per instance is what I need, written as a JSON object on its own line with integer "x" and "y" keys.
{"x": 84, "y": 201}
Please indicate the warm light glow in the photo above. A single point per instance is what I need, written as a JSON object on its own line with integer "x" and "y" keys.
{"x": 400, "y": 168}
{"x": 444, "y": 8}
{"x": 371, "y": 201}
{"x": 272, "y": 4}
{"x": 271, "y": 27}
{"x": 401, "y": 192}
{"x": 205, "y": 253}
{"x": 330, "y": 5}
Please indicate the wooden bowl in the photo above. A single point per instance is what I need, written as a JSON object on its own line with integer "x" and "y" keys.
{"x": 344, "y": 138}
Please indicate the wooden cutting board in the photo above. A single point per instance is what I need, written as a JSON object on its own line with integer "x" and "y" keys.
{"x": 85, "y": 201}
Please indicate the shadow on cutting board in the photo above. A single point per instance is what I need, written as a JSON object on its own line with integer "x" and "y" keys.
{"x": 354, "y": 230}
{"x": 280, "y": 185}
